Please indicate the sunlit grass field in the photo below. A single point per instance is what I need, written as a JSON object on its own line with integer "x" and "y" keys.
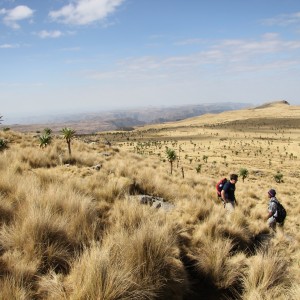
{"x": 71, "y": 228}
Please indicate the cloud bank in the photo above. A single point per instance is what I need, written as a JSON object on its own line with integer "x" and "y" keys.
{"x": 83, "y": 12}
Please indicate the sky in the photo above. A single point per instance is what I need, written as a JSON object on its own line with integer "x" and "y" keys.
{"x": 65, "y": 56}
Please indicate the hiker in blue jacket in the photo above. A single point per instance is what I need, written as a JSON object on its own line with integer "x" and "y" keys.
{"x": 228, "y": 191}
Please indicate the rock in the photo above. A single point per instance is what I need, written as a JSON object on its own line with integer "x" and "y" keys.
{"x": 156, "y": 202}
{"x": 97, "y": 167}
{"x": 258, "y": 173}
{"x": 106, "y": 154}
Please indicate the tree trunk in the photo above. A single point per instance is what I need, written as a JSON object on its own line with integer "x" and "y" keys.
{"x": 69, "y": 148}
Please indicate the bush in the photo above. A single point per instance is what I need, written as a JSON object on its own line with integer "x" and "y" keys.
{"x": 3, "y": 144}
{"x": 198, "y": 168}
{"x": 278, "y": 177}
{"x": 244, "y": 173}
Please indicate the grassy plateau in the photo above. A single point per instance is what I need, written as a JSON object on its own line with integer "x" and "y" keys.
{"x": 72, "y": 227}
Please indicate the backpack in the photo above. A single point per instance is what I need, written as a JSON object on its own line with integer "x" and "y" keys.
{"x": 281, "y": 212}
{"x": 220, "y": 185}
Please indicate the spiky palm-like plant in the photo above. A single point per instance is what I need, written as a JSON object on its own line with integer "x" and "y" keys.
{"x": 171, "y": 155}
{"x": 47, "y": 131}
{"x": 45, "y": 140}
{"x": 68, "y": 134}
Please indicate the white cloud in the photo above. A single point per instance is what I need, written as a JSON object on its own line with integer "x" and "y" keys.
{"x": 71, "y": 49}
{"x": 269, "y": 53}
{"x": 283, "y": 20}
{"x": 49, "y": 34}
{"x": 189, "y": 42}
{"x": 270, "y": 43}
{"x": 9, "y": 46}
{"x": 13, "y": 16}
{"x": 83, "y": 12}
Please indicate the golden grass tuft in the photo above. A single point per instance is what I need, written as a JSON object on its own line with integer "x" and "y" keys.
{"x": 267, "y": 275}
{"x": 135, "y": 264}
{"x": 13, "y": 289}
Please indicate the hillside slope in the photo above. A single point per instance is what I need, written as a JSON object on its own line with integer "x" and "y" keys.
{"x": 272, "y": 111}
{"x": 74, "y": 227}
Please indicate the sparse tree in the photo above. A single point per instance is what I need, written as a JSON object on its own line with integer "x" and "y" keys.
{"x": 68, "y": 134}
{"x": 1, "y": 119}
{"x": 171, "y": 155}
{"x": 244, "y": 173}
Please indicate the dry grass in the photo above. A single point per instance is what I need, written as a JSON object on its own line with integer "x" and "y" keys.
{"x": 69, "y": 230}
{"x": 267, "y": 277}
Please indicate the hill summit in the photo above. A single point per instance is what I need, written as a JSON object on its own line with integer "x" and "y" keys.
{"x": 273, "y": 103}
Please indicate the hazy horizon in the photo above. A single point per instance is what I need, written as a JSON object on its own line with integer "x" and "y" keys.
{"x": 54, "y": 116}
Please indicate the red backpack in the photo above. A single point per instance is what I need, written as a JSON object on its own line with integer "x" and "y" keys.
{"x": 220, "y": 185}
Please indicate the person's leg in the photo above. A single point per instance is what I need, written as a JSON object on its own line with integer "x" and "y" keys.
{"x": 229, "y": 206}
{"x": 272, "y": 223}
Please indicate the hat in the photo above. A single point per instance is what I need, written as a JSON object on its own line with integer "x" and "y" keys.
{"x": 272, "y": 192}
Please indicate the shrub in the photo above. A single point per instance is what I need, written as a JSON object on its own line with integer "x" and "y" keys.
{"x": 3, "y": 144}
{"x": 198, "y": 168}
{"x": 244, "y": 173}
{"x": 278, "y": 177}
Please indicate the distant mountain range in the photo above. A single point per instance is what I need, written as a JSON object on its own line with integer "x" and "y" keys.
{"x": 124, "y": 119}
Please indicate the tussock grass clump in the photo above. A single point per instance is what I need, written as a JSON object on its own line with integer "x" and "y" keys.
{"x": 13, "y": 289}
{"x": 42, "y": 236}
{"x": 217, "y": 265}
{"x": 101, "y": 276}
{"x": 132, "y": 263}
{"x": 6, "y": 212}
{"x": 267, "y": 275}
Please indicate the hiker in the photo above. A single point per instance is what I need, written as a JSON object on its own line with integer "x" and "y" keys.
{"x": 276, "y": 211}
{"x": 227, "y": 193}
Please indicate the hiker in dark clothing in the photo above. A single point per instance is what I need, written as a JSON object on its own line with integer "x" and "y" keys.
{"x": 276, "y": 212}
{"x": 228, "y": 191}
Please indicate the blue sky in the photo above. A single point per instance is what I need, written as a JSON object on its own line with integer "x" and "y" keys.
{"x": 89, "y": 55}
